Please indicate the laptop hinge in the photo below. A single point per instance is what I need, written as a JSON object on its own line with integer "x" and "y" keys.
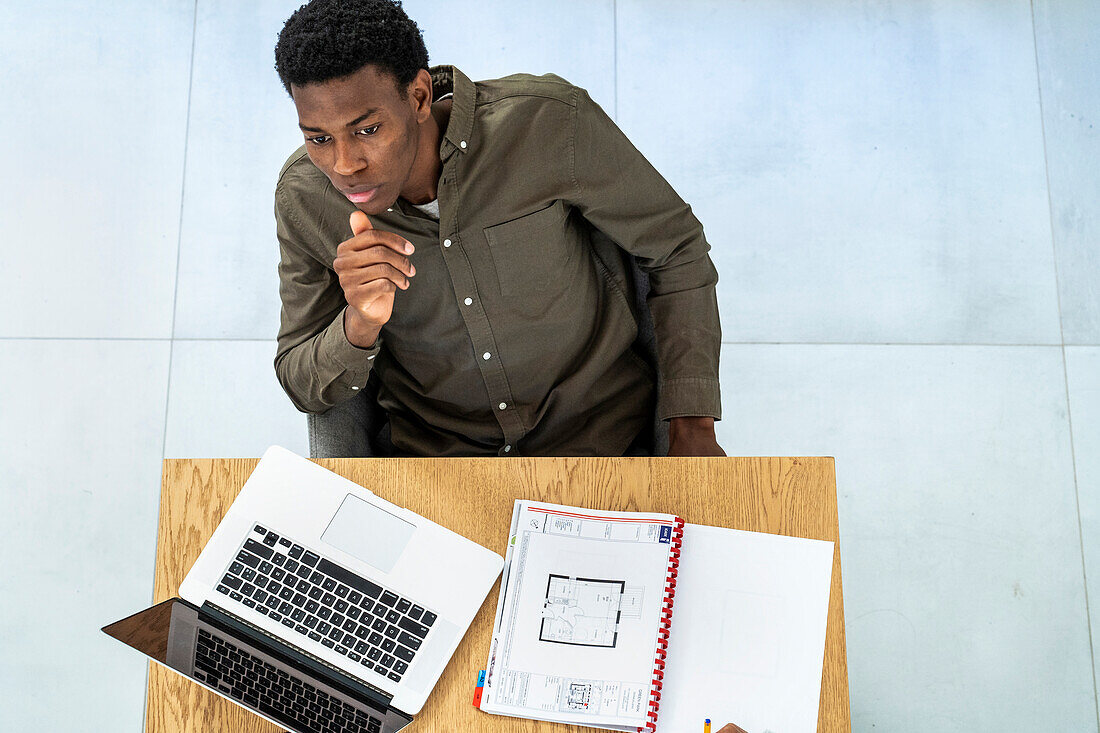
{"x": 333, "y": 674}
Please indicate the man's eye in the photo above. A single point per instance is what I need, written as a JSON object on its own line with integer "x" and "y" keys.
{"x": 317, "y": 140}
{"x": 373, "y": 127}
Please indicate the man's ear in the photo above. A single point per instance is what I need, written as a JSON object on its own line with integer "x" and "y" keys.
{"x": 420, "y": 95}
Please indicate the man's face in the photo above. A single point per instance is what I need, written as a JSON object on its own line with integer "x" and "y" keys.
{"x": 361, "y": 133}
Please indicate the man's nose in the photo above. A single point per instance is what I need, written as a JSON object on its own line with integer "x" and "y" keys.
{"x": 348, "y": 160}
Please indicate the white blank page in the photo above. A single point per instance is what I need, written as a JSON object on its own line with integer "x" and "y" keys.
{"x": 747, "y": 642}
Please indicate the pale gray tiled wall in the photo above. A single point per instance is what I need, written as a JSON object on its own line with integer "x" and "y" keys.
{"x": 902, "y": 203}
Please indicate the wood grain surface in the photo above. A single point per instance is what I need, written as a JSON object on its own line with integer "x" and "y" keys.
{"x": 474, "y": 497}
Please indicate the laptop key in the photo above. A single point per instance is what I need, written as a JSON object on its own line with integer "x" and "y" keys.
{"x": 375, "y": 639}
{"x": 341, "y": 605}
{"x": 336, "y": 634}
{"x": 303, "y": 572}
{"x": 291, "y": 565}
{"x": 260, "y": 595}
{"x": 428, "y": 619}
{"x": 414, "y": 628}
{"x": 379, "y": 624}
{"x": 298, "y": 614}
{"x": 248, "y": 589}
{"x": 328, "y": 599}
{"x": 278, "y": 573}
{"x": 323, "y": 627}
{"x": 272, "y": 601}
{"x": 374, "y": 654}
{"x": 342, "y": 649}
{"x": 386, "y": 661}
{"x": 259, "y": 530}
{"x": 288, "y": 622}
{"x": 389, "y": 598}
{"x": 315, "y": 593}
{"x": 349, "y": 640}
{"x": 285, "y": 607}
{"x": 392, "y": 631}
{"x": 392, "y": 616}
{"x": 270, "y": 539}
{"x": 236, "y": 568}
{"x": 310, "y": 558}
{"x": 355, "y": 596}
{"x": 222, "y": 589}
{"x": 354, "y": 657}
{"x": 416, "y": 612}
{"x": 409, "y": 640}
{"x": 394, "y": 676}
{"x": 311, "y": 621}
{"x": 303, "y": 586}
{"x": 312, "y": 606}
{"x": 298, "y": 600}
{"x": 353, "y": 612}
{"x": 232, "y": 581}
{"x": 296, "y": 551}
{"x": 301, "y": 629}
{"x": 275, "y": 616}
{"x": 236, "y": 596}
{"x": 349, "y": 578}
{"x": 285, "y": 542}
{"x": 367, "y": 663}
{"x": 248, "y": 559}
{"x": 329, "y": 584}
{"x": 400, "y": 666}
{"x": 361, "y": 647}
{"x": 279, "y": 559}
{"x": 403, "y": 606}
{"x": 325, "y": 613}
{"x": 286, "y": 593}
{"x": 315, "y": 636}
{"x": 266, "y": 567}
{"x": 349, "y": 625}
{"x": 342, "y": 591}
{"x": 404, "y": 653}
{"x": 257, "y": 549}
{"x": 328, "y": 642}
{"x": 388, "y": 645}
{"x": 248, "y": 574}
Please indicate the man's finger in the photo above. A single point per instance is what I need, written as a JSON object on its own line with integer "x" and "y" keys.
{"x": 360, "y": 222}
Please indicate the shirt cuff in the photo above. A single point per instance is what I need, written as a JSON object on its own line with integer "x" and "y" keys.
{"x": 354, "y": 363}
{"x": 689, "y": 397}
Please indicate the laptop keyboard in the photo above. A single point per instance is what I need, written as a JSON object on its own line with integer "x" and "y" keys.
{"x": 285, "y": 697}
{"x": 327, "y": 603}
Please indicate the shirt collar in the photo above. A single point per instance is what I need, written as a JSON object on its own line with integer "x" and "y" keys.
{"x": 447, "y": 78}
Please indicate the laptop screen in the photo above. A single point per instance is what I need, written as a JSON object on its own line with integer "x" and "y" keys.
{"x": 175, "y": 634}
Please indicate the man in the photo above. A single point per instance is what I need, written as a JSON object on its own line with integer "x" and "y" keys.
{"x": 444, "y": 234}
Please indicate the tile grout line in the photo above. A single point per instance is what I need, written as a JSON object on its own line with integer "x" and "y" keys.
{"x": 1065, "y": 367}
{"x": 175, "y": 298}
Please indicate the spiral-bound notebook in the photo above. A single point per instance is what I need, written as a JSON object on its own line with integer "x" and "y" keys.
{"x": 638, "y": 621}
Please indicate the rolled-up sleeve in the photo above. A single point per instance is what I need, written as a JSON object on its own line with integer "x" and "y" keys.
{"x": 315, "y": 363}
{"x": 623, "y": 195}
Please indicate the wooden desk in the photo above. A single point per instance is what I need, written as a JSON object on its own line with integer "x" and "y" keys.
{"x": 792, "y": 496}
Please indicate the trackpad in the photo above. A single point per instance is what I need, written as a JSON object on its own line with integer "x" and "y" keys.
{"x": 369, "y": 533}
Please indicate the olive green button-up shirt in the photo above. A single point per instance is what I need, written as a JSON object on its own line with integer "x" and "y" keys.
{"x": 514, "y": 337}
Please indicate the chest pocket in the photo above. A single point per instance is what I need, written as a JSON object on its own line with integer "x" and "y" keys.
{"x": 531, "y": 252}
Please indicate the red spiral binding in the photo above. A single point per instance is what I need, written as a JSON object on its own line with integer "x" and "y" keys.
{"x": 664, "y": 628}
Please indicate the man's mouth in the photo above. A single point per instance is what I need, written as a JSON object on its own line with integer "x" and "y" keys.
{"x": 361, "y": 196}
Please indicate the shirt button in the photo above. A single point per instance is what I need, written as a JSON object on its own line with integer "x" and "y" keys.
{"x": 486, "y": 356}
{"x": 446, "y": 243}
{"x": 468, "y": 301}
{"x": 355, "y": 388}
{"x": 462, "y": 144}
{"x": 507, "y": 448}
{"x": 389, "y": 209}
{"x": 502, "y": 405}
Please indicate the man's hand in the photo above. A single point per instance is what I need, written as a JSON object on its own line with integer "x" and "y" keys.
{"x": 371, "y": 266}
{"x": 693, "y": 436}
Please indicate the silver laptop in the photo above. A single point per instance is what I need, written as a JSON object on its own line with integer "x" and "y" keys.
{"x": 313, "y": 576}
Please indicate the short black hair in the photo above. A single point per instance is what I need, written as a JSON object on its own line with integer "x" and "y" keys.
{"x": 328, "y": 39}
